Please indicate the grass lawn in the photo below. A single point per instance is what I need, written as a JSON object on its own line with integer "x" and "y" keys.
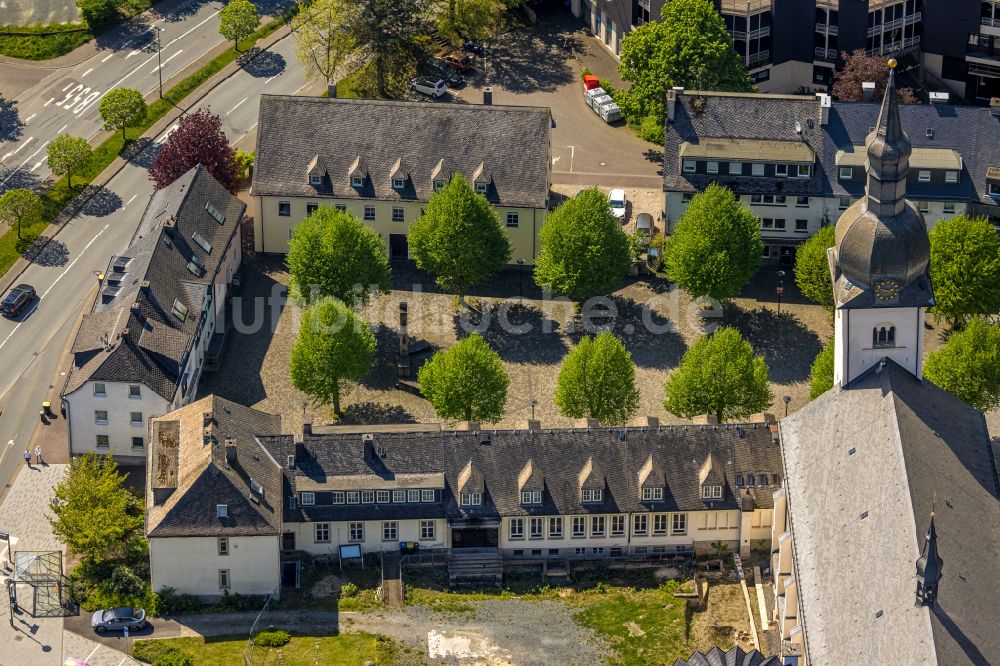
{"x": 342, "y": 650}
{"x": 42, "y": 42}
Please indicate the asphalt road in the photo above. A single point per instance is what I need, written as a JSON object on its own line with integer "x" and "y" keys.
{"x": 68, "y": 99}
{"x": 31, "y": 345}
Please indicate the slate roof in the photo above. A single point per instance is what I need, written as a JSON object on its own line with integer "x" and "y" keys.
{"x": 186, "y": 455}
{"x": 146, "y": 342}
{"x": 734, "y": 657}
{"x": 558, "y": 455}
{"x": 295, "y": 133}
{"x": 865, "y": 466}
{"x": 973, "y": 131}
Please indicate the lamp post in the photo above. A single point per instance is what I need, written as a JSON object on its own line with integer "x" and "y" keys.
{"x": 787, "y": 399}
{"x": 533, "y": 403}
{"x": 781, "y": 288}
{"x": 159, "y": 63}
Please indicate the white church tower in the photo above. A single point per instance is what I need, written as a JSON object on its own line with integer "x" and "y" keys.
{"x": 879, "y": 263}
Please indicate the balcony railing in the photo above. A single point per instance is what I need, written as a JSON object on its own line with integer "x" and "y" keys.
{"x": 825, "y": 54}
{"x": 991, "y": 22}
{"x": 889, "y": 26}
{"x": 983, "y": 46}
{"x": 758, "y": 59}
{"x": 889, "y": 48}
{"x": 828, "y": 29}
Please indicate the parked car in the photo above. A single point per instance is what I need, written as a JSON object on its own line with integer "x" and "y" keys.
{"x": 17, "y": 299}
{"x": 431, "y": 87}
{"x": 117, "y": 619}
{"x": 456, "y": 59}
{"x": 618, "y": 202}
{"x": 644, "y": 223}
{"x": 438, "y": 70}
{"x": 473, "y": 46}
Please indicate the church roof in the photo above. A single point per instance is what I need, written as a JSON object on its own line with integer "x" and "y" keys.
{"x": 864, "y": 467}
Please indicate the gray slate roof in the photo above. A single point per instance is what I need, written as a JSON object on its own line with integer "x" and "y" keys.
{"x": 156, "y": 341}
{"x": 512, "y": 142}
{"x": 859, "y": 518}
{"x": 972, "y": 131}
{"x": 559, "y": 456}
{"x": 733, "y": 657}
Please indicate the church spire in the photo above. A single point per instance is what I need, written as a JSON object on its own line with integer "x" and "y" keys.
{"x": 888, "y": 156}
{"x": 929, "y": 568}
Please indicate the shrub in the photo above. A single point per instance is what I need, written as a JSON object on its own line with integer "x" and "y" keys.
{"x": 159, "y": 654}
{"x": 349, "y": 590}
{"x": 272, "y": 639}
{"x": 651, "y": 129}
{"x": 172, "y": 603}
{"x": 585, "y": 72}
{"x": 126, "y": 583}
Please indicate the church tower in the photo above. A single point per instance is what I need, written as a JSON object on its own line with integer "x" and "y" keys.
{"x": 879, "y": 262}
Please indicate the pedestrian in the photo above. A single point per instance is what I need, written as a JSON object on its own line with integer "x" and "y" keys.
{"x": 27, "y": 457}
{"x": 38, "y": 454}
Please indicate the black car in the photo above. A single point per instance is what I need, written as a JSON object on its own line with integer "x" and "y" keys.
{"x": 17, "y": 299}
{"x": 475, "y": 47}
{"x": 443, "y": 71}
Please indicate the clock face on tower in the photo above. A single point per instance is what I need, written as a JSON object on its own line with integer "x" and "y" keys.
{"x": 887, "y": 291}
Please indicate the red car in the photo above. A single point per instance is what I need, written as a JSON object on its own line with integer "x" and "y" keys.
{"x": 456, "y": 59}
{"x": 17, "y": 299}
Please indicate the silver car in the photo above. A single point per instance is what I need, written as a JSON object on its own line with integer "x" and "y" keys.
{"x": 431, "y": 87}
{"x": 117, "y": 619}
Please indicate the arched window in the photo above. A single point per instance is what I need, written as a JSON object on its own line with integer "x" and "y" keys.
{"x": 884, "y": 336}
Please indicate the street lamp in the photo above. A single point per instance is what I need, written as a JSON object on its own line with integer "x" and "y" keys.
{"x": 533, "y": 403}
{"x": 787, "y": 399}
{"x": 781, "y": 288}
{"x": 159, "y": 63}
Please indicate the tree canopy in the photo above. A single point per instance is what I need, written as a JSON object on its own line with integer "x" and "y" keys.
{"x": 466, "y": 383}
{"x": 470, "y": 19}
{"x": 68, "y": 154}
{"x": 18, "y": 207}
{"x": 859, "y": 67}
{"x": 812, "y": 270}
{"x": 334, "y": 347}
{"x": 389, "y": 35}
{"x": 121, "y": 108}
{"x": 332, "y": 252}
{"x": 689, "y": 46}
{"x": 95, "y": 513}
{"x": 716, "y": 245}
{"x": 968, "y": 365}
{"x": 322, "y": 38}
{"x": 719, "y": 374}
{"x": 459, "y": 238}
{"x": 965, "y": 268}
{"x": 584, "y": 251}
{"x": 198, "y": 139}
{"x": 238, "y": 20}
{"x": 597, "y": 380}
{"x": 821, "y": 375}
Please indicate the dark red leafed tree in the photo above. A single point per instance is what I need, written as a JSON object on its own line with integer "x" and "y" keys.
{"x": 198, "y": 139}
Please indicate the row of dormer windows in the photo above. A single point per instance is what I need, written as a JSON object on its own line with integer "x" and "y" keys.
{"x": 596, "y": 526}
{"x": 754, "y": 169}
{"x": 316, "y": 180}
{"x": 409, "y": 496}
{"x": 922, "y": 175}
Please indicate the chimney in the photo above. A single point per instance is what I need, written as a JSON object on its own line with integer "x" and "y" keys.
{"x": 484, "y": 439}
{"x": 867, "y": 91}
{"x": 231, "y": 452}
{"x": 307, "y": 424}
{"x": 673, "y": 98}
{"x": 646, "y": 422}
{"x": 368, "y": 439}
{"x": 825, "y": 101}
{"x": 995, "y": 106}
{"x": 331, "y": 89}
{"x": 488, "y": 96}
{"x": 939, "y": 97}
{"x": 530, "y": 424}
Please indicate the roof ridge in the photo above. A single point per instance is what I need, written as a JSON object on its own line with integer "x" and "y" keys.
{"x": 309, "y": 99}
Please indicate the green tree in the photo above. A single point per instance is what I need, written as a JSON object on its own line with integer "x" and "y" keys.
{"x": 121, "y": 108}
{"x": 333, "y": 348}
{"x": 821, "y": 376}
{"x": 97, "y": 13}
{"x": 584, "y": 251}
{"x": 812, "y": 271}
{"x": 19, "y": 207}
{"x": 330, "y": 252}
{"x": 470, "y": 19}
{"x": 466, "y": 383}
{"x": 322, "y": 38}
{"x": 68, "y": 154}
{"x": 597, "y": 380}
{"x": 719, "y": 374}
{"x": 390, "y": 35}
{"x": 968, "y": 365}
{"x": 965, "y": 268}
{"x": 688, "y": 47}
{"x": 716, "y": 245}
{"x": 459, "y": 238}
{"x": 95, "y": 514}
{"x": 238, "y": 20}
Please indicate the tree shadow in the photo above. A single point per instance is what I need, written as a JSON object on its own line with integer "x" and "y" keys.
{"x": 11, "y": 124}
{"x": 382, "y": 376}
{"x": 762, "y": 286}
{"x": 134, "y": 35}
{"x": 261, "y": 64}
{"x": 100, "y": 201}
{"x": 182, "y": 11}
{"x": 519, "y": 333}
{"x": 535, "y": 59}
{"x": 18, "y": 175}
{"x": 369, "y": 413}
{"x": 47, "y": 252}
{"x": 654, "y": 157}
{"x": 142, "y": 152}
{"x": 788, "y": 347}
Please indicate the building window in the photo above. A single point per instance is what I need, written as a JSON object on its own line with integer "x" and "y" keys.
{"x": 689, "y": 166}
{"x": 766, "y": 252}
{"x": 652, "y": 494}
{"x": 134, "y": 392}
{"x": 884, "y": 336}
{"x": 357, "y": 181}
{"x": 390, "y": 531}
{"x": 481, "y": 187}
{"x": 512, "y": 220}
{"x": 531, "y": 497}
{"x": 597, "y": 526}
{"x": 321, "y": 533}
{"x": 739, "y": 480}
{"x": 382, "y": 496}
{"x": 804, "y": 170}
{"x": 284, "y": 209}
{"x": 767, "y": 223}
{"x": 617, "y": 525}
{"x": 428, "y": 530}
{"x": 398, "y": 183}
{"x": 598, "y": 551}
{"x": 592, "y": 495}
{"x": 779, "y": 224}
{"x": 138, "y": 442}
{"x": 735, "y": 168}
{"x": 923, "y": 207}
{"x": 397, "y": 214}
{"x": 517, "y": 528}
{"x": 223, "y": 544}
{"x": 844, "y": 203}
{"x": 580, "y": 551}
{"x": 846, "y": 173}
{"x": 367, "y": 496}
{"x": 757, "y": 169}
{"x": 781, "y": 170}
{"x": 398, "y": 496}
{"x": 951, "y": 176}
{"x": 536, "y": 528}
{"x": 995, "y": 189}
{"x": 338, "y": 497}
{"x": 686, "y": 197}
{"x": 100, "y": 417}
{"x": 103, "y": 442}
{"x": 660, "y": 523}
{"x": 555, "y": 527}
{"x": 519, "y": 552}
{"x": 135, "y": 418}
{"x": 438, "y": 184}
{"x": 291, "y": 501}
{"x": 472, "y": 499}
{"x": 949, "y": 207}
{"x": 579, "y": 527}
{"x": 221, "y": 510}
{"x": 340, "y": 206}
{"x": 924, "y": 176}
{"x": 413, "y": 496}
{"x": 712, "y": 167}
{"x": 640, "y": 524}
{"x": 315, "y": 179}
{"x": 100, "y": 390}
{"x": 311, "y": 208}
{"x": 355, "y": 531}
{"x": 802, "y": 225}
{"x": 711, "y": 492}
{"x": 223, "y": 579}
{"x": 426, "y": 495}
{"x": 370, "y": 213}
{"x": 801, "y": 202}
{"x": 308, "y": 499}
{"x": 680, "y": 524}
{"x": 553, "y": 552}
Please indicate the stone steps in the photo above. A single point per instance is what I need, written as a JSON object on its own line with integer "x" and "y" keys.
{"x": 476, "y": 567}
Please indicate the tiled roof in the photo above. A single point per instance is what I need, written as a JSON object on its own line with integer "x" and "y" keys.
{"x": 183, "y": 452}
{"x": 865, "y": 467}
{"x": 733, "y": 657}
{"x": 332, "y": 135}
{"x": 142, "y": 284}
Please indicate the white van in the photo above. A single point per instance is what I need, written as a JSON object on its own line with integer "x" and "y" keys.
{"x": 430, "y": 87}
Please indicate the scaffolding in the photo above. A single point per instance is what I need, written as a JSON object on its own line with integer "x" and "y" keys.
{"x": 42, "y": 572}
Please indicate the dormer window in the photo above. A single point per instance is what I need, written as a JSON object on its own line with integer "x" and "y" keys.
{"x": 481, "y": 187}
{"x": 995, "y": 189}
{"x": 471, "y": 499}
{"x": 924, "y": 176}
{"x": 438, "y": 184}
{"x": 711, "y": 492}
{"x": 398, "y": 183}
{"x": 593, "y": 495}
{"x": 315, "y": 179}
{"x": 357, "y": 181}
{"x": 951, "y": 176}
{"x": 531, "y": 497}
{"x": 222, "y": 510}
{"x": 652, "y": 494}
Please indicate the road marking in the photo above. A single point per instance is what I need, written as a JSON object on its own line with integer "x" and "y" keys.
{"x": 555, "y": 159}
{"x": 136, "y": 52}
{"x": 167, "y": 133}
{"x": 168, "y": 60}
{"x": 15, "y": 152}
{"x": 68, "y": 85}
{"x": 49, "y": 102}
{"x": 122, "y": 661}
{"x": 210, "y": 17}
{"x": 237, "y": 105}
{"x": 62, "y": 128}
{"x": 28, "y": 119}
{"x": 572, "y": 153}
{"x": 82, "y": 252}
{"x": 108, "y": 57}
{"x": 270, "y": 79}
{"x": 92, "y": 652}
{"x": 26, "y": 160}
{"x": 37, "y": 164}
{"x": 130, "y": 200}
{"x": 87, "y": 72}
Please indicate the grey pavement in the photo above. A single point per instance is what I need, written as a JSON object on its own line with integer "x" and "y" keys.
{"x": 29, "y": 12}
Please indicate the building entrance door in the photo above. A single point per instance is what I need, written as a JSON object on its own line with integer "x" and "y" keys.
{"x": 475, "y": 537}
